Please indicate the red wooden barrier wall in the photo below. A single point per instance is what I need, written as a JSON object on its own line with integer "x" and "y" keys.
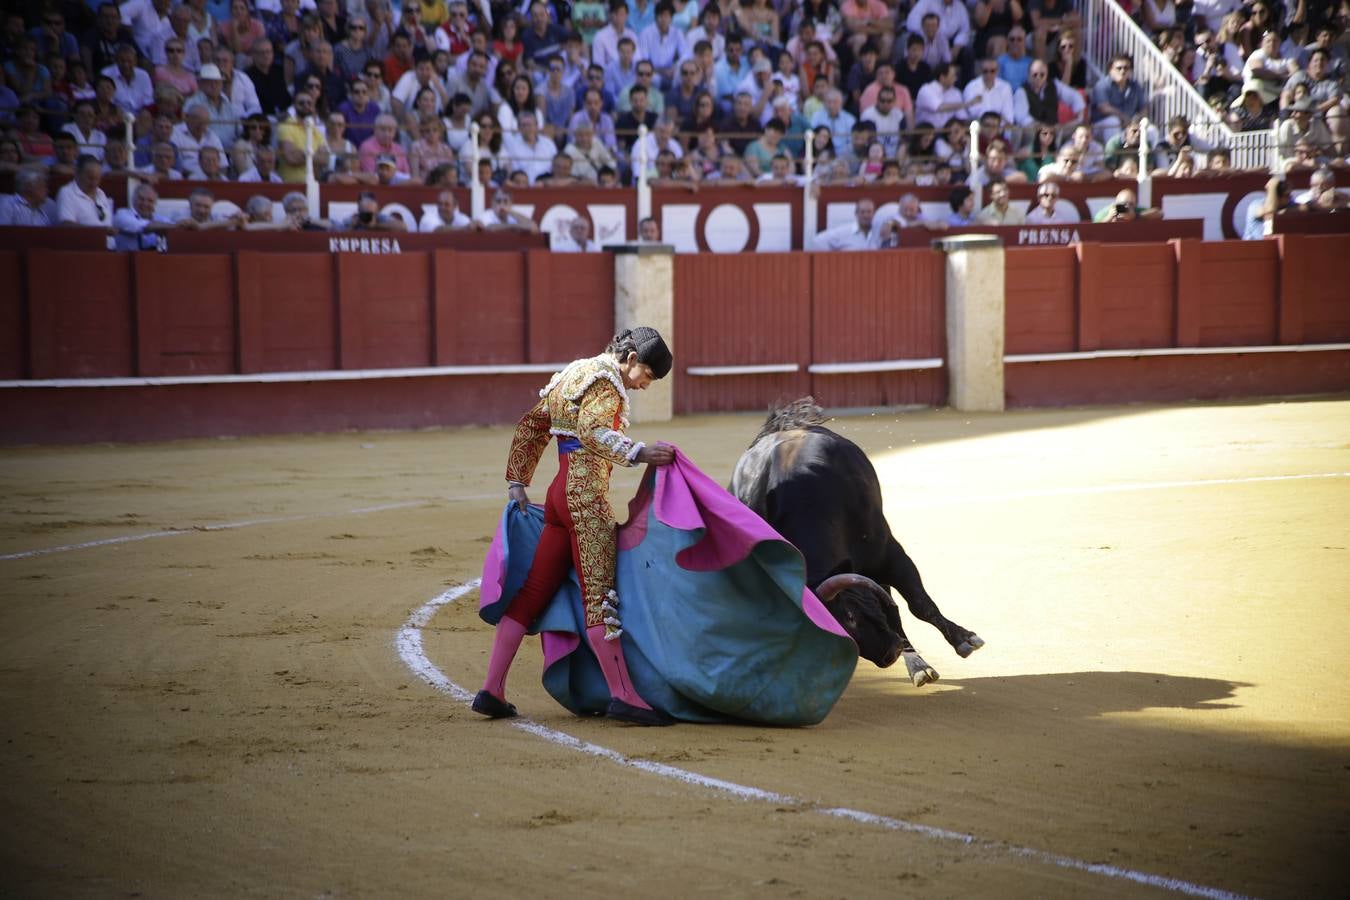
{"x": 740, "y": 310}
{"x": 71, "y": 314}
{"x": 878, "y": 306}
{"x": 1040, "y": 293}
{"x": 13, "y": 339}
{"x": 1314, "y": 289}
{"x": 287, "y": 312}
{"x": 185, "y": 314}
{"x": 1226, "y": 293}
{"x": 79, "y": 314}
{"x": 1294, "y": 289}
{"x": 1126, "y": 296}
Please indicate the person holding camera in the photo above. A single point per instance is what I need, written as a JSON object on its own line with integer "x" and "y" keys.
{"x": 1125, "y": 209}
{"x": 297, "y": 213}
{"x": 369, "y": 218}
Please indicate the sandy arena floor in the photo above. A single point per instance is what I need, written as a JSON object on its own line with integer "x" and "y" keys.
{"x": 219, "y": 708}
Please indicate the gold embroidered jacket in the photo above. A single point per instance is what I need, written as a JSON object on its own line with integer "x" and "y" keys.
{"x": 586, "y": 401}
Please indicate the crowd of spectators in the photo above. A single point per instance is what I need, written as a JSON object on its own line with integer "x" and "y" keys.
{"x": 1263, "y": 64}
{"x": 379, "y": 93}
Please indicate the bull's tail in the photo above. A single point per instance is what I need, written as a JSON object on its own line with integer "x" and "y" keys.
{"x": 800, "y": 413}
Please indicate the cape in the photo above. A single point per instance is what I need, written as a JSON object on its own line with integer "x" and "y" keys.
{"x": 718, "y": 623}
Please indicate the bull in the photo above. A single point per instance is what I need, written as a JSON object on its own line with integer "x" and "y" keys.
{"x": 821, "y": 493}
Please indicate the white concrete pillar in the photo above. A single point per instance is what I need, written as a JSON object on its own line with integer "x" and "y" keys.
{"x": 975, "y": 323}
{"x": 644, "y": 294}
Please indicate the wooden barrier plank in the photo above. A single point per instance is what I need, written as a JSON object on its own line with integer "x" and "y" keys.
{"x": 287, "y": 312}
{"x": 444, "y": 265}
{"x": 1040, "y": 300}
{"x": 80, "y": 314}
{"x": 13, "y": 334}
{"x": 385, "y": 313}
{"x": 569, "y": 304}
{"x": 741, "y": 309}
{"x": 1090, "y": 274}
{"x": 480, "y": 308}
{"x": 1135, "y": 286}
{"x": 1326, "y": 307}
{"x": 1226, "y": 293}
{"x": 185, "y": 314}
{"x": 871, "y": 307}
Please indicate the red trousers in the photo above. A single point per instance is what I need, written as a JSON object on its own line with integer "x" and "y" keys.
{"x": 579, "y": 532}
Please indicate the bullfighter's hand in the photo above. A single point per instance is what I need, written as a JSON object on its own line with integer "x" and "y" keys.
{"x": 657, "y": 454}
{"x": 517, "y": 494}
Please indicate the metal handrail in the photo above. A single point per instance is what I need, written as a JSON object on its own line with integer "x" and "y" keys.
{"x": 1109, "y": 30}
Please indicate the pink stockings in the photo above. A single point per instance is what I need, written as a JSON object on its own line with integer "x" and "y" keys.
{"x": 556, "y": 553}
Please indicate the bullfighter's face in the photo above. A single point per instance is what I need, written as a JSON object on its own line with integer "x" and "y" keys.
{"x": 636, "y": 375}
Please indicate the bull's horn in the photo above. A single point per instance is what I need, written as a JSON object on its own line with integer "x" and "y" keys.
{"x": 835, "y": 583}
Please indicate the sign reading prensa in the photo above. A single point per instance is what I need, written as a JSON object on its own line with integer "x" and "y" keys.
{"x": 1033, "y": 237}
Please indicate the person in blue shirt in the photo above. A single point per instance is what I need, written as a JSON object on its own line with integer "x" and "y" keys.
{"x": 839, "y": 120}
{"x": 730, "y": 71}
{"x": 962, "y": 202}
{"x": 543, "y": 40}
{"x": 641, "y": 13}
{"x": 1014, "y": 65}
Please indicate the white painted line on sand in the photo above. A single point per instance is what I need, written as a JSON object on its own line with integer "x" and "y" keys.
{"x": 408, "y": 642}
{"x": 228, "y": 526}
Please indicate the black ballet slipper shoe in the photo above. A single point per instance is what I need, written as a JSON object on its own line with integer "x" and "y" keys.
{"x": 490, "y": 706}
{"x": 636, "y": 715}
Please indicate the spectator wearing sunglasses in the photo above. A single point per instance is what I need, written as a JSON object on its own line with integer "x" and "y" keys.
{"x": 82, "y": 201}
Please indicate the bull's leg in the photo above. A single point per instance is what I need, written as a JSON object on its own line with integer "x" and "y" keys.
{"x": 903, "y": 575}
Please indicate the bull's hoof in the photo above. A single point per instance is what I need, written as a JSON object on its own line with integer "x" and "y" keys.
{"x": 969, "y": 645}
{"x": 920, "y": 672}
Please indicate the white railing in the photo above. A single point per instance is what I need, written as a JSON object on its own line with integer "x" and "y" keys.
{"x": 1108, "y": 30}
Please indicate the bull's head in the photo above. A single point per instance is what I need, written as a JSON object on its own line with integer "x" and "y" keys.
{"x": 867, "y": 612}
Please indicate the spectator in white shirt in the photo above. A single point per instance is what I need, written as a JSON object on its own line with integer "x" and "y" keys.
{"x": 939, "y": 101}
{"x": 605, "y": 44}
{"x": 527, "y": 150}
{"x": 658, "y": 140}
{"x": 150, "y": 26}
{"x": 888, "y": 118}
{"x": 909, "y": 215}
{"x": 953, "y": 21}
{"x": 856, "y": 235}
{"x": 211, "y": 96}
{"x": 502, "y": 216}
{"x": 710, "y": 29}
{"x": 191, "y": 135}
{"x": 446, "y": 216}
{"x": 134, "y": 88}
{"x": 237, "y": 87}
{"x": 577, "y": 239}
{"x": 82, "y": 201}
{"x": 1049, "y": 210}
{"x": 29, "y": 205}
{"x": 163, "y": 156}
{"x": 264, "y": 168}
{"x": 780, "y": 173}
{"x": 663, "y": 45}
{"x": 989, "y": 93}
{"x": 88, "y": 137}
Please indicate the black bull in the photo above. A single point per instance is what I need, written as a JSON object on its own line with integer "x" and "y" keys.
{"x": 820, "y": 492}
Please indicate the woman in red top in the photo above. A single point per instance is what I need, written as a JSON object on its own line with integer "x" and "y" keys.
{"x": 507, "y": 46}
